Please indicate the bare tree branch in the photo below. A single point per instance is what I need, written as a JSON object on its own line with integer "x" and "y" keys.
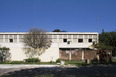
{"x": 37, "y": 39}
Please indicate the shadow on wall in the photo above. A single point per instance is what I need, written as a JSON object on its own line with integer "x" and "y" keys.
{"x": 31, "y": 53}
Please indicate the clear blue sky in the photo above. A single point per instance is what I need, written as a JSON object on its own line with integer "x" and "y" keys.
{"x": 69, "y": 15}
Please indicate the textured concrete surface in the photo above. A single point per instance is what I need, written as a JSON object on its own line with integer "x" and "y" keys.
{"x": 55, "y": 71}
{"x": 5, "y": 68}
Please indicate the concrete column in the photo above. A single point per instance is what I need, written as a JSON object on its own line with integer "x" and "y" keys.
{"x": 98, "y": 57}
{"x": 8, "y": 39}
{"x": 17, "y": 38}
{"x": 82, "y": 54}
{"x": 57, "y": 38}
{"x": 3, "y": 38}
{"x": 70, "y": 54}
{"x": 72, "y": 38}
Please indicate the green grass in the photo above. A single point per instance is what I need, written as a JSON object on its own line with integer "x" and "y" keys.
{"x": 21, "y": 62}
{"x": 114, "y": 59}
{"x": 76, "y": 63}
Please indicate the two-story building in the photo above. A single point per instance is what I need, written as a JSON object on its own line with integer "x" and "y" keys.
{"x": 65, "y": 45}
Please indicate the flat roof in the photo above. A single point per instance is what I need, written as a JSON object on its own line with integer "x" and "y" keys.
{"x": 52, "y": 32}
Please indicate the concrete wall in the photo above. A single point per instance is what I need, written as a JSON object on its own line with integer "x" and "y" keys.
{"x": 18, "y": 53}
{"x": 52, "y": 53}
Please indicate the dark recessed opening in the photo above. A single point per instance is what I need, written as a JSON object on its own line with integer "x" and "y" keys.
{"x": 11, "y": 40}
{"x": 80, "y": 40}
{"x": 90, "y": 40}
{"x": 64, "y": 40}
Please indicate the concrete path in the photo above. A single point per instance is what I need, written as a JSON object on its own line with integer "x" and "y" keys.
{"x": 56, "y": 71}
{"x": 5, "y": 68}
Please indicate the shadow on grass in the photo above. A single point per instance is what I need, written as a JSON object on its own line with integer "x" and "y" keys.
{"x": 83, "y": 71}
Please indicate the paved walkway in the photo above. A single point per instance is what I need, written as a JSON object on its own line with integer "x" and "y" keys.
{"x": 56, "y": 71}
{"x": 5, "y": 68}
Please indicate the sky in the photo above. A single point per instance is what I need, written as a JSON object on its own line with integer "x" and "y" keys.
{"x": 68, "y": 15}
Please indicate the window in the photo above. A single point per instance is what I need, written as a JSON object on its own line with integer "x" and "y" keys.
{"x": 90, "y": 36}
{"x": 1, "y": 36}
{"x": 15, "y": 36}
{"x": 75, "y": 36}
{"x": 80, "y": 40}
{"x": 80, "y": 36}
{"x": 86, "y": 36}
{"x": 94, "y": 36}
{"x": 11, "y": 40}
{"x": 21, "y": 36}
{"x": 65, "y": 36}
{"x": 69, "y": 36}
{"x": 90, "y": 40}
{"x": 64, "y": 40}
{"x": 11, "y": 36}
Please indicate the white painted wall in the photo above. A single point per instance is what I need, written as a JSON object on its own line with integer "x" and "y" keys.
{"x": 51, "y": 54}
{"x": 18, "y": 53}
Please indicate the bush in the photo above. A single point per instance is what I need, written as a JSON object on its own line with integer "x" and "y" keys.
{"x": 51, "y": 62}
{"x": 13, "y": 62}
{"x": 30, "y": 60}
{"x": 77, "y": 63}
{"x": 16, "y": 62}
{"x": 58, "y": 61}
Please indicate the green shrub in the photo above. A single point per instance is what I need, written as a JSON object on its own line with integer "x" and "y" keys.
{"x": 113, "y": 59}
{"x": 51, "y": 62}
{"x": 16, "y": 62}
{"x": 30, "y": 60}
{"x": 66, "y": 63}
{"x": 58, "y": 61}
{"x": 75, "y": 62}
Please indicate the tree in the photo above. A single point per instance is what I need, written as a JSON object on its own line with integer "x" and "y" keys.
{"x": 58, "y": 30}
{"x": 102, "y": 46}
{"x": 4, "y": 54}
{"x": 36, "y": 41}
{"x": 107, "y": 41}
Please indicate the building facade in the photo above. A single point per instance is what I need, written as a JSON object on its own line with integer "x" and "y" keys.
{"x": 61, "y": 42}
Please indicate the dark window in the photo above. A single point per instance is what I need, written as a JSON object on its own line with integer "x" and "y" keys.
{"x": 90, "y": 40}
{"x": 64, "y": 40}
{"x": 11, "y": 40}
{"x": 80, "y": 40}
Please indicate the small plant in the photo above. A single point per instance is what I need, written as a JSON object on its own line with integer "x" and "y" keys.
{"x": 51, "y": 62}
{"x": 66, "y": 63}
{"x": 16, "y": 62}
{"x": 58, "y": 61}
{"x": 30, "y": 60}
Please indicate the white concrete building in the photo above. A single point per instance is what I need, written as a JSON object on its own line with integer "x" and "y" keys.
{"x": 60, "y": 40}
